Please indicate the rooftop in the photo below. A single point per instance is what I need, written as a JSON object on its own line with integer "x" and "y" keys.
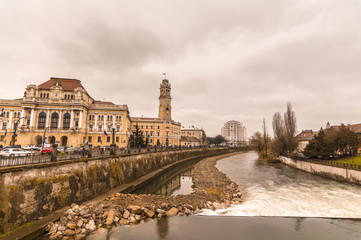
{"x": 66, "y": 83}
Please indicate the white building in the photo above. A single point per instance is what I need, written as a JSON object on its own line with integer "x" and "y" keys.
{"x": 235, "y": 133}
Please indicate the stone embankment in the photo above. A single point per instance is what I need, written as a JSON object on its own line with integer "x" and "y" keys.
{"x": 212, "y": 190}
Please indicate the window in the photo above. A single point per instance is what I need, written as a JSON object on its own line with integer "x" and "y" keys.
{"x": 77, "y": 123}
{"x": 158, "y": 127}
{"x": 90, "y": 127}
{"x": 99, "y": 117}
{"x": 28, "y": 122}
{"x": 99, "y": 139}
{"x": 41, "y": 120}
{"x": 141, "y": 126}
{"x": 109, "y": 128}
{"x": 118, "y": 128}
{"x": 100, "y": 128}
{"x": 4, "y": 125}
{"x": 90, "y": 139}
{"x": 108, "y": 139}
{"x": 117, "y": 139}
{"x": 54, "y": 121}
{"x": 1, "y": 138}
{"x": 151, "y": 127}
{"x": 15, "y": 125}
{"x": 90, "y": 117}
{"x": 146, "y": 127}
{"x": 151, "y": 133}
{"x": 66, "y": 121}
{"x": 158, "y": 133}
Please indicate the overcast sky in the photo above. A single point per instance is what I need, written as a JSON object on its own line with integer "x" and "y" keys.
{"x": 229, "y": 59}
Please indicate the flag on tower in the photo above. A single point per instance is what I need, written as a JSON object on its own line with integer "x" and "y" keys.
{"x": 105, "y": 133}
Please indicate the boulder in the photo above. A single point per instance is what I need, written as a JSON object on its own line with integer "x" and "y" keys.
{"x": 69, "y": 232}
{"x": 134, "y": 209}
{"x": 70, "y": 225}
{"x": 173, "y": 211}
{"x": 110, "y": 217}
{"x": 124, "y": 221}
{"x": 80, "y": 223}
{"x": 126, "y": 214}
{"x": 90, "y": 226}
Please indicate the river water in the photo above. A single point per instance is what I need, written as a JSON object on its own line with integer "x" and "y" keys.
{"x": 279, "y": 203}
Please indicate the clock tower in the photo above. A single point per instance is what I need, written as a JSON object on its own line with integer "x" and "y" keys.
{"x": 165, "y": 107}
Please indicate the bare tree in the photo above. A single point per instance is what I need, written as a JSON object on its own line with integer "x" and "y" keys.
{"x": 278, "y": 126}
{"x": 265, "y": 137}
{"x": 290, "y": 127}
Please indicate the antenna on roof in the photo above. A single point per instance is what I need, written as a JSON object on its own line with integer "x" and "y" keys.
{"x": 165, "y": 75}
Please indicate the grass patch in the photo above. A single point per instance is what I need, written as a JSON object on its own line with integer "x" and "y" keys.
{"x": 16, "y": 229}
{"x": 356, "y": 160}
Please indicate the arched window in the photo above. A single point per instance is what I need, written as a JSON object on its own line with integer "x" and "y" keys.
{"x": 54, "y": 121}
{"x": 66, "y": 121}
{"x": 47, "y": 95}
{"x": 41, "y": 95}
{"x": 41, "y": 120}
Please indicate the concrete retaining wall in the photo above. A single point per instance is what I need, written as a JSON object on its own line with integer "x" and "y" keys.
{"x": 338, "y": 173}
{"x": 29, "y": 192}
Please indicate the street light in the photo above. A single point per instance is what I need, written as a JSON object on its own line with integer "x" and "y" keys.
{"x": 15, "y": 128}
{"x": 44, "y": 135}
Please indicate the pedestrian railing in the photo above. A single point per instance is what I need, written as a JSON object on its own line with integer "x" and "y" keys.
{"x": 42, "y": 158}
{"x": 334, "y": 163}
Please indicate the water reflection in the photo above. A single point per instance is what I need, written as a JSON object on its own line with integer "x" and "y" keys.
{"x": 162, "y": 227}
{"x": 174, "y": 182}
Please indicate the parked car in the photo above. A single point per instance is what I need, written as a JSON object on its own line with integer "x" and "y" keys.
{"x": 62, "y": 149}
{"x": 31, "y": 147}
{"x": 46, "y": 150}
{"x": 14, "y": 152}
{"x": 73, "y": 150}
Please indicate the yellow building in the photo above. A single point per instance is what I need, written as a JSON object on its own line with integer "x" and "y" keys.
{"x": 162, "y": 130}
{"x": 62, "y": 110}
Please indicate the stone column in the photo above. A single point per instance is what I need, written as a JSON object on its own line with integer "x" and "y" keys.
{"x": 47, "y": 118}
{"x": 22, "y": 115}
{"x": 60, "y": 118}
{"x": 96, "y": 121}
{"x": 81, "y": 119}
{"x": 72, "y": 119}
{"x": 32, "y": 117}
{"x": 10, "y": 120}
{"x": 105, "y": 122}
{"x": 114, "y": 121}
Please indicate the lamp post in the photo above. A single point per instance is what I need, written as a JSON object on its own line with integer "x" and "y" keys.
{"x": 44, "y": 135}
{"x": 15, "y": 128}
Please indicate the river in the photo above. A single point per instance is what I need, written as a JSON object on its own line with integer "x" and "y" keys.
{"x": 279, "y": 203}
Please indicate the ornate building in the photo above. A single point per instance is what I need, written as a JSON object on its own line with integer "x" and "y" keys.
{"x": 62, "y": 110}
{"x": 193, "y": 137}
{"x": 162, "y": 130}
{"x": 235, "y": 133}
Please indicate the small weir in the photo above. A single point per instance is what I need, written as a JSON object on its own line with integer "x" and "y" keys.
{"x": 280, "y": 203}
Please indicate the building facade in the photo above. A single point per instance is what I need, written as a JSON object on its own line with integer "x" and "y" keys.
{"x": 162, "y": 130}
{"x": 60, "y": 111}
{"x": 235, "y": 133}
{"x": 193, "y": 137}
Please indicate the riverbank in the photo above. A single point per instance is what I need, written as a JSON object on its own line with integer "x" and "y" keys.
{"x": 212, "y": 190}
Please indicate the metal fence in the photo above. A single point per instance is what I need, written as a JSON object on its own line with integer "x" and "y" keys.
{"x": 42, "y": 158}
{"x": 334, "y": 163}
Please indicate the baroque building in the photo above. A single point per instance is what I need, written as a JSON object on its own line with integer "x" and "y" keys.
{"x": 162, "y": 130}
{"x": 63, "y": 112}
{"x": 235, "y": 133}
{"x": 193, "y": 137}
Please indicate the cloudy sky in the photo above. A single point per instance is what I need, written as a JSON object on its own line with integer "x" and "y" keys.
{"x": 229, "y": 59}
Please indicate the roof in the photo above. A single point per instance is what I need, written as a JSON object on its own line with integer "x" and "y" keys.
{"x": 66, "y": 83}
{"x": 356, "y": 128}
{"x": 102, "y": 103}
{"x": 189, "y": 139}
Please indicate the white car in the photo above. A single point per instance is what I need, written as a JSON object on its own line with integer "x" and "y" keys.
{"x": 14, "y": 152}
{"x": 31, "y": 147}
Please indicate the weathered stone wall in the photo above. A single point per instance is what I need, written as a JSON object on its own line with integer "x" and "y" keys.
{"x": 29, "y": 192}
{"x": 338, "y": 173}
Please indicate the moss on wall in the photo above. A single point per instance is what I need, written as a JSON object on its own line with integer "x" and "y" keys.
{"x": 63, "y": 184}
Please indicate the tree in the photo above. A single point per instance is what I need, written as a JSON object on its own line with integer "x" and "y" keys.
{"x": 290, "y": 127}
{"x": 278, "y": 125}
{"x": 216, "y": 140}
{"x": 266, "y": 138}
{"x": 136, "y": 138}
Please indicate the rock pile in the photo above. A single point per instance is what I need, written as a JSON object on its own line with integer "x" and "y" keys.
{"x": 212, "y": 190}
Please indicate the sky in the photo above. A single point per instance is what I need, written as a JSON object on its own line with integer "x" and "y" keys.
{"x": 226, "y": 60}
